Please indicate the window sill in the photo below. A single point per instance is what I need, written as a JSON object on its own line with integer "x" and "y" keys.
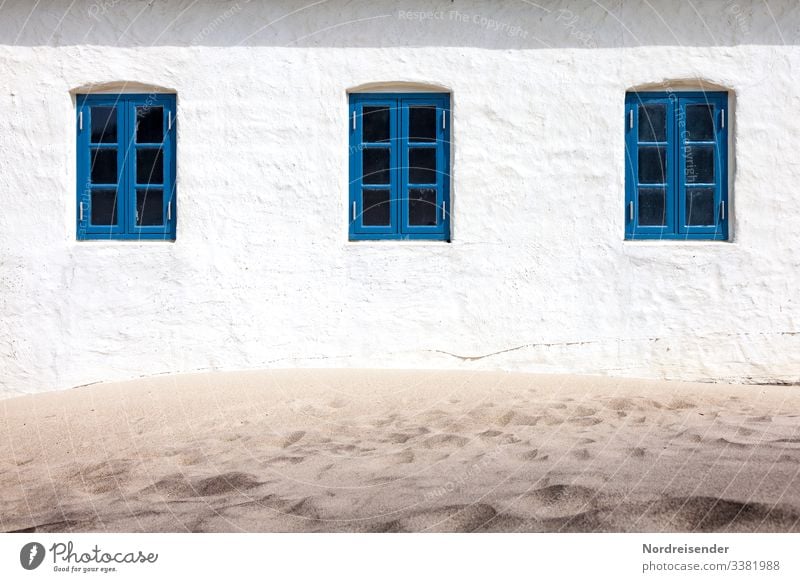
{"x": 677, "y": 242}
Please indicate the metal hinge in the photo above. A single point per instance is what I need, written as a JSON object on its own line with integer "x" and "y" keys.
{"x": 354, "y": 209}
{"x": 354, "y": 119}
{"x": 444, "y": 119}
{"x": 630, "y": 118}
{"x": 630, "y": 210}
{"x": 169, "y": 120}
{"x": 722, "y": 210}
{"x": 723, "y": 119}
{"x": 80, "y": 120}
{"x": 80, "y": 211}
{"x": 169, "y": 211}
{"x": 444, "y": 209}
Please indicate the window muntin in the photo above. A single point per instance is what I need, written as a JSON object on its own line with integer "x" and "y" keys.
{"x": 399, "y": 166}
{"x": 676, "y": 166}
{"x": 126, "y": 167}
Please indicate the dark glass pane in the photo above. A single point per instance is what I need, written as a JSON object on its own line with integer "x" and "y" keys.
{"x": 700, "y": 122}
{"x": 149, "y": 166}
{"x": 422, "y": 165}
{"x": 376, "y": 208}
{"x": 422, "y": 208}
{"x": 653, "y": 122}
{"x": 104, "y": 207}
{"x": 652, "y": 165}
{"x": 652, "y": 206}
{"x": 700, "y": 207}
{"x": 149, "y": 124}
{"x": 422, "y": 123}
{"x": 376, "y": 165}
{"x": 699, "y": 164}
{"x": 376, "y": 124}
{"x": 104, "y": 166}
{"x": 104, "y": 125}
{"x": 149, "y": 207}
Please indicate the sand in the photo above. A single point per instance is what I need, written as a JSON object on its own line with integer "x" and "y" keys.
{"x": 392, "y": 451}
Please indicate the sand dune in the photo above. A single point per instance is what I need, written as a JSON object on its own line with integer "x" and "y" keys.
{"x": 389, "y": 451}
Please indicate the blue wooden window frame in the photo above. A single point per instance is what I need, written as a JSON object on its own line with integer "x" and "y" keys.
{"x": 399, "y": 146}
{"x": 675, "y": 224}
{"x": 127, "y": 107}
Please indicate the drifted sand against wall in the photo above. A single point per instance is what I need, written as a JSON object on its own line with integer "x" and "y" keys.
{"x": 537, "y": 277}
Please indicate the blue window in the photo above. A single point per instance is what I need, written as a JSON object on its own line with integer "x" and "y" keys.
{"x": 126, "y": 167}
{"x": 399, "y": 166}
{"x": 676, "y": 169}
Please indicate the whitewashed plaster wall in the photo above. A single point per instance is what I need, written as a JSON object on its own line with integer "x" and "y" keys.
{"x": 537, "y": 276}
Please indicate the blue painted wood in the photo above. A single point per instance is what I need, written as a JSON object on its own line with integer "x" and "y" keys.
{"x": 125, "y": 227}
{"x": 676, "y": 226}
{"x": 400, "y": 228}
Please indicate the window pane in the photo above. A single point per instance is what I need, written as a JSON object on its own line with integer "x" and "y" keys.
{"x": 104, "y": 124}
{"x": 422, "y": 165}
{"x": 653, "y": 122}
{"x": 376, "y": 165}
{"x": 422, "y": 124}
{"x": 699, "y": 164}
{"x": 422, "y": 207}
{"x": 104, "y": 207}
{"x": 375, "y": 208}
{"x": 149, "y": 166}
{"x": 652, "y": 165}
{"x": 652, "y": 206}
{"x": 700, "y": 122}
{"x": 104, "y": 166}
{"x": 149, "y": 207}
{"x": 700, "y": 207}
{"x": 149, "y": 124}
{"x": 376, "y": 124}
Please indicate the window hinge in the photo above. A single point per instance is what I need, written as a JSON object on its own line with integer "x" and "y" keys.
{"x": 80, "y": 120}
{"x": 169, "y": 211}
{"x": 722, "y": 210}
{"x": 169, "y": 120}
{"x": 444, "y": 209}
{"x": 80, "y": 211}
{"x": 444, "y": 119}
{"x": 354, "y": 119}
{"x": 723, "y": 119}
{"x": 630, "y": 118}
{"x": 354, "y": 209}
{"x": 630, "y": 210}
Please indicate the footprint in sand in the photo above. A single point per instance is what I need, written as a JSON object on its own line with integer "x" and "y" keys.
{"x": 561, "y": 500}
{"x": 226, "y": 483}
{"x": 284, "y": 460}
{"x": 585, "y": 421}
{"x": 581, "y": 454}
{"x": 619, "y": 404}
{"x": 440, "y": 441}
{"x": 405, "y": 456}
{"x": 399, "y": 438}
{"x": 452, "y": 518}
{"x": 584, "y": 411}
{"x": 292, "y": 438}
{"x": 102, "y": 477}
{"x": 529, "y": 455}
{"x": 681, "y": 404}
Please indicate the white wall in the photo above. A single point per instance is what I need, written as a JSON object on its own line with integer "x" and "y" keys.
{"x": 537, "y": 277}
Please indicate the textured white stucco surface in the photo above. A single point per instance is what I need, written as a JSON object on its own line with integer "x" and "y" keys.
{"x": 537, "y": 276}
